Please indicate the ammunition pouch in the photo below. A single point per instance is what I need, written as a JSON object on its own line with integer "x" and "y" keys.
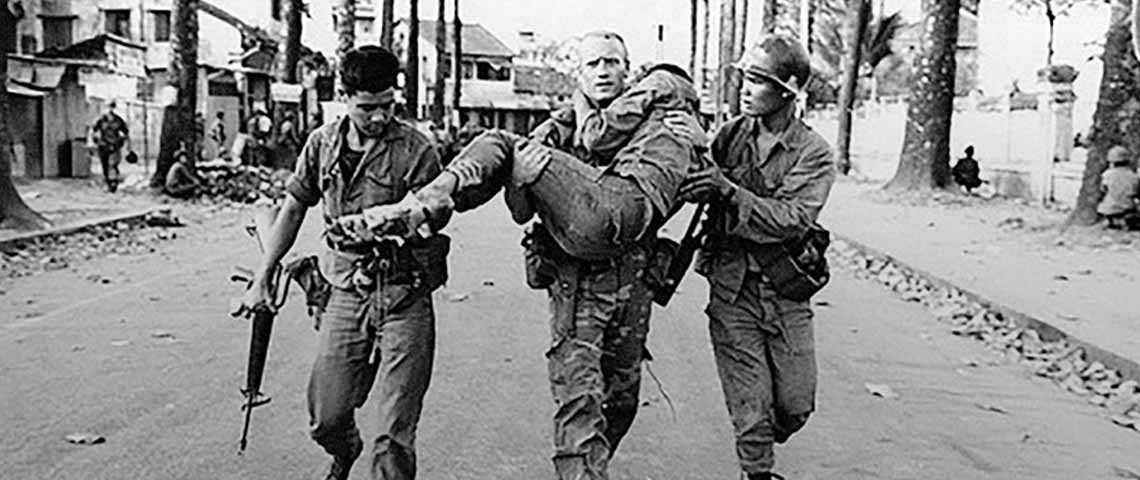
{"x": 541, "y": 254}
{"x": 797, "y": 268}
{"x": 431, "y": 256}
{"x": 661, "y": 256}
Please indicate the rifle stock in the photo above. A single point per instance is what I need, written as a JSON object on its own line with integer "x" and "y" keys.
{"x": 682, "y": 258}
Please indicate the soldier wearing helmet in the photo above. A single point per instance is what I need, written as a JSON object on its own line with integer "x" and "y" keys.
{"x": 771, "y": 177}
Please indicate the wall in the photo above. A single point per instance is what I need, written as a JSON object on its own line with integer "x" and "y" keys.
{"x": 27, "y": 134}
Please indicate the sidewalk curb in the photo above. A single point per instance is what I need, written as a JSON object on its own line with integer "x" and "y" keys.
{"x": 1127, "y": 368}
{"x": 131, "y": 218}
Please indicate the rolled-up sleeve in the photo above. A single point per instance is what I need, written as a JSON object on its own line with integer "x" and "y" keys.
{"x": 424, "y": 168}
{"x": 304, "y": 182}
{"x": 792, "y": 208}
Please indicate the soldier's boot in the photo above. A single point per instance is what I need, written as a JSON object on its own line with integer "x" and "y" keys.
{"x": 342, "y": 465}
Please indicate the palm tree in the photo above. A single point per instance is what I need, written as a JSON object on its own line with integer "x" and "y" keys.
{"x": 456, "y": 61}
{"x": 1117, "y": 112}
{"x": 345, "y": 27}
{"x": 412, "y": 70}
{"x": 440, "y": 59}
{"x": 387, "y": 14}
{"x": 856, "y": 32}
{"x": 693, "y": 7}
{"x": 179, "y": 130}
{"x": 704, "y": 61}
{"x": 730, "y": 90}
{"x": 13, "y": 211}
{"x": 925, "y": 160}
{"x": 292, "y": 12}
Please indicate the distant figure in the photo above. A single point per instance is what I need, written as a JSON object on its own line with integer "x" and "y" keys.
{"x": 966, "y": 171}
{"x": 259, "y": 127}
{"x": 181, "y": 180}
{"x": 288, "y": 136}
{"x": 1121, "y": 187}
{"x": 110, "y": 134}
{"x": 217, "y": 134}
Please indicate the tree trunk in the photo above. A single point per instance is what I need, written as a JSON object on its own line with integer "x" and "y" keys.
{"x": 704, "y": 61}
{"x": 457, "y": 64}
{"x": 858, "y": 17}
{"x": 179, "y": 131}
{"x": 925, "y": 160}
{"x": 292, "y": 40}
{"x": 731, "y": 89}
{"x": 693, "y": 25}
{"x": 1117, "y": 115}
{"x": 345, "y": 27}
{"x": 387, "y": 14}
{"x": 438, "y": 101}
{"x": 13, "y": 211}
{"x": 1052, "y": 30}
{"x": 412, "y": 70}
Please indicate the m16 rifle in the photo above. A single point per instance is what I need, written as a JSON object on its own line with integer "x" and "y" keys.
{"x": 681, "y": 258}
{"x": 304, "y": 272}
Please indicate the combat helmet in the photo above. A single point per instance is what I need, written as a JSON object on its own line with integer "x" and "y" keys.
{"x": 779, "y": 58}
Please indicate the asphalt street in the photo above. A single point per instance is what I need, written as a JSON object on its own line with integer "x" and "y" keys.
{"x": 140, "y": 349}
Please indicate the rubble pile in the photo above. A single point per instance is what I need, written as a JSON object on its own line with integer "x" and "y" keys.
{"x": 1059, "y": 361}
{"x": 61, "y": 251}
{"x": 243, "y": 183}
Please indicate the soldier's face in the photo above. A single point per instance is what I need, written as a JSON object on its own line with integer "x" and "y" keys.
{"x": 371, "y": 112}
{"x": 760, "y": 96}
{"x": 602, "y": 68}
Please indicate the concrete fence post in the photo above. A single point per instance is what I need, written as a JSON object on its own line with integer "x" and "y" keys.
{"x": 1055, "y": 105}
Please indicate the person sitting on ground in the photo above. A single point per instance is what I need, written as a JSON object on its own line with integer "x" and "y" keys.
{"x": 966, "y": 171}
{"x": 1121, "y": 187}
{"x": 181, "y": 180}
{"x": 594, "y": 210}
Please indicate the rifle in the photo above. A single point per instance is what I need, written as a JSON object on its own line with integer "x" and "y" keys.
{"x": 262, "y": 321}
{"x": 681, "y": 258}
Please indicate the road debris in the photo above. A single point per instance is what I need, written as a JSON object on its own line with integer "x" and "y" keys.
{"x": 85, "y": 439}
{"x": 991, "y": 408}
{"x": 459, "y": 297}
{"x": 120, "y": 343}
{"x": 1054, "y": 359}
{"x": 879, "y": 390}
{"x": 161, "y": 334}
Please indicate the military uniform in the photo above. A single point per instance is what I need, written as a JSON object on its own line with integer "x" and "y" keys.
{"x": 380, "y": 318}
{"x": 763, "y": 342}
{"x": 600, "y": 309}
{"x": 111, "y": 135}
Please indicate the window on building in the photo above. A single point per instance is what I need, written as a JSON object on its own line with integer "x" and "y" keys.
{"x": 468, "y": 71}
{"x": 117, "y": 22}
{"x": 161, "y": 22}
{"x": 57, "y": 31}
{"x": 494, "y": 71}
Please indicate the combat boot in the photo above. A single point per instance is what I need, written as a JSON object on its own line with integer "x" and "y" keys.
{"x": 341, "y": 466}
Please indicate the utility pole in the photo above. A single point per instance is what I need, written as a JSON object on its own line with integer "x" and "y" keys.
{"x": 457, "y": 67}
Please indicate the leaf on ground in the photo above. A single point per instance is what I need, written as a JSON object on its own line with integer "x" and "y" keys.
{"x": 120, "y": 343}
{"x": 880, "y": 390}
{"x": 1060, "y": 277}
{"x": 162, "y": 334}
{"x": 85, "y": 439}
{"x": 459, "y": 297}
{"x": 822, "y": 303}
{"x": 1123, "y": 420}
{"x": 488, "y": 283}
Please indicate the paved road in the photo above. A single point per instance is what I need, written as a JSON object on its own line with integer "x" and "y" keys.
{"x": 169, "y": 408}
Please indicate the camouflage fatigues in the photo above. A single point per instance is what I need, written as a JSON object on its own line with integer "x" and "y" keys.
{"x": 763, "y": 343}
{"x": 111, "y": 135}
{"x": 388, "y": 329}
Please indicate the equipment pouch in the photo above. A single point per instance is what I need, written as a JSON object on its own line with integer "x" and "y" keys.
{"x": 802, "y": 269}
{"x": 657, "y": 272}
{"x": 431, "y": 255}
{"x": 539, "y": 249}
